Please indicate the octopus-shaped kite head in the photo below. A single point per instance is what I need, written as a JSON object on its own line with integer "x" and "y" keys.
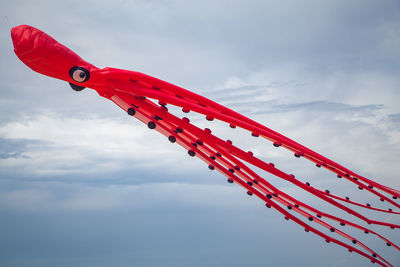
{"x": 45, "y": 55}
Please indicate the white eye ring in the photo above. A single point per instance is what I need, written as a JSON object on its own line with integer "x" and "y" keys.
{"x": 79, "y": 74}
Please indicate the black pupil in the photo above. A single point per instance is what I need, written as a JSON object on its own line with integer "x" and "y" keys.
{"x": 82, "y": 74}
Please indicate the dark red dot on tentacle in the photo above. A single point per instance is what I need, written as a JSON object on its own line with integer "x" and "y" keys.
{"x": 237, "y": 167}
{"x": 327, "y": 241}
{"x": 319, "y": 216}
{"x": 347, "y": 198}
{"x": 232, "y": 126}
{"x": 307, "y": 183}
{"x": 255, "y": 181}
{"x": 394, "y": 197}
{"x": 374, "y": 255}
{"x": 179, "y": 130}
{"x": 267, "y": 205}
{"x": 212, "y": 157}
{"x": 289, "y": 207}
{"x": 275, "y": 195}
{"x": 271, "y": 164}
{"x": 131, "y": 111}
{"x": 157, "y": 118}
{"x": 151, "y": 125}
{"x": 218, "y": 154}
{"x": 296, "y": 206}
{"x": 207, "y": 131}
{"x": 306, "y": 230}
{"x": 255, "y": 134}
{"x": 172, "y": 139}
{"x": 209, "y": 118}
{"x": 292, "y": 176}
{"x": 230, "y": 180}
{"x": 318, "y": 165}
{"x": 250, "y": 153}
{"x": 332, "y": 229}
{"x": 297, "y": 155}
{"x": 355, "y": 179}
{"x": 185, "y": 120}
{"x": 366, "y": 232}
{"x": 388, "y": 244}
{"x": 339, "y": 176}
{"x": 250, "y": 183}
{"x": 249, "y": 193}
{"x": 368, "y": 205}
{"x": 350, "y": 250}
{"x": 194, "y": 144}
{"x": 286, "y": 218}
{"x": 323, "y": 164}
{"x": 347, "y": 175}
{"x": 211, "y": 167}
{"x": 360, "y": 187}
{"x": 310, "y": 218}
{"x": 164, "y": 108}
{"x": 354, "y": 241}
{"x": 276, "y": 144}
{"x": 229, "y": 142}
{"x": 370, "y": 186}
{"x": 185, "y": 110}
{"x": 342, "y": 224}
{"x": 199, "y": 142}
{"x": 389, "y": 209}
{"x": 268, "y": 196}
{"x": 232, "y": 170}
{"x": 382, "y": 199}
{"x": 327, "y": 191}
{"x": 162, "y": 103}
{"x": 191, "y": 153}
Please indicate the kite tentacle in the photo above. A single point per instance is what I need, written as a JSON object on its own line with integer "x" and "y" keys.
{"x": 173, "y": 90}
{"x": 347, "y": 200}
{"x": 182, "y": 102}
{"x": 245, "y": 156}
{"x": 149, "y": 111}
{"x": 205, "y": 153}
{"x": 272, "y": 189}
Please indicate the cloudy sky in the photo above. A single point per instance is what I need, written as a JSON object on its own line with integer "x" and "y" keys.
{"x": 82, "y": 184}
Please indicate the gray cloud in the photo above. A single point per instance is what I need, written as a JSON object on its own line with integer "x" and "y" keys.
{"x": 10, "y": 148}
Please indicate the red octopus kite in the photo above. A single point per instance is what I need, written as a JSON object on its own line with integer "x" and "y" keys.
{"x": 136, "y": 94}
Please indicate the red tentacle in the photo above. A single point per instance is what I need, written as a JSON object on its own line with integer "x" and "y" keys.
{"x": 173, "y": 90}
{"x": 189, "y": 140}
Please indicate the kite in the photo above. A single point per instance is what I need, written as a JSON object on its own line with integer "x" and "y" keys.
{"x": 146, "y": 98}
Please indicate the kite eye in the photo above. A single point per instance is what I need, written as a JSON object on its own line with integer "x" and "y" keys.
{"x": 79, "y": 74}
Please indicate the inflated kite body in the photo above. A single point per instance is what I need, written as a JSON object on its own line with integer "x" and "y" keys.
{"x": 136, "y": 93}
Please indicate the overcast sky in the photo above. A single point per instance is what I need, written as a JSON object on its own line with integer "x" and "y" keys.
{"x": 82, "y": 184}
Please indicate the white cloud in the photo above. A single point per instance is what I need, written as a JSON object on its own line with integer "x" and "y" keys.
{"x": 84, "y": 145}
